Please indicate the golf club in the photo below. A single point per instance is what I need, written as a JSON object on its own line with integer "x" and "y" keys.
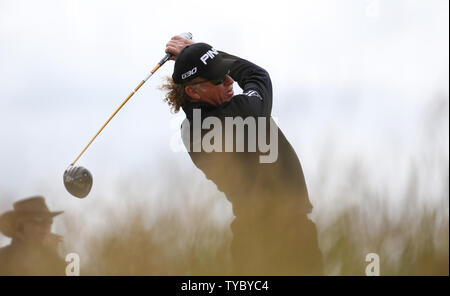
{"x": 77, "y": 179}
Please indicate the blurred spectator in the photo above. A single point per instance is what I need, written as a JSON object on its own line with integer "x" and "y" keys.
{"x": 33, "y": 249}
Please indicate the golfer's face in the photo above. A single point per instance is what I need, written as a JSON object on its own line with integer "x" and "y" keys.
{"x": 36, "y": 229}
{"x": 217, "y": 94}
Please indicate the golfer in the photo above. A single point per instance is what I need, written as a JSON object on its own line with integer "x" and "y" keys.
{"x": 272, "y": 234}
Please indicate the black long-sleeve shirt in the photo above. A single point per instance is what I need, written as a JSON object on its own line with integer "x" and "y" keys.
{"x": 257, "y": 190}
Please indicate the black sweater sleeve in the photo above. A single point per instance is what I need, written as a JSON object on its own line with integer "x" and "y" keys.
{"x": 256, "y": 100}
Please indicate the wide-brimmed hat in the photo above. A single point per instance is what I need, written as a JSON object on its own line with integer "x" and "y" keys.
{"x": 26, "y": 208}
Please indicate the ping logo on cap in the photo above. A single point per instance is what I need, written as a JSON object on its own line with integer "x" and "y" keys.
{"x": 210, "y": 54}
{"x": 189, "y": 73}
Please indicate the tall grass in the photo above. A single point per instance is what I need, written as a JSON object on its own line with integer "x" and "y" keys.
{"x": 173, "y": 225}
{"x": 190, "y": 241}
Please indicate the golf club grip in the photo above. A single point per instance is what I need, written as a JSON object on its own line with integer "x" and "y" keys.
{"x": 186, "y": 35}
{"x": 165, "y": 59}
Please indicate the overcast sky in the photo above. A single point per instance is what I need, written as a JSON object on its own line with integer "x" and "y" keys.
{"x": 353, "y": 73}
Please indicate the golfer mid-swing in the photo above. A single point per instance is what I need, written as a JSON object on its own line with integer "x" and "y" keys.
{"x": 272, "y": 234}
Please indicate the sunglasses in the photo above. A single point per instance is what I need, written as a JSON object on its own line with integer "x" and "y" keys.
{"x": 216, "y": 82}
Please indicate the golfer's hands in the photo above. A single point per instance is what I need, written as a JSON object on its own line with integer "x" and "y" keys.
{"x": 176, "y": 45}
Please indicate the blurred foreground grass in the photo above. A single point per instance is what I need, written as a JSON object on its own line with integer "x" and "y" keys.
{"x": 402, "y": 216}
{"x": 190, "y": 241}
{"x": 170, "y": 225}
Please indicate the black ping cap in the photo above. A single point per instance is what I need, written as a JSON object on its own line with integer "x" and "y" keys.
{"x": 199, "y": 60}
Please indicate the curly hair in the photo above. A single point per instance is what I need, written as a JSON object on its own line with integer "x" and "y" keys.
{"x": 176, "y": 96}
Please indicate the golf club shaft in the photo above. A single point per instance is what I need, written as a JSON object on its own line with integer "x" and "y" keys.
{"x": 163, "y": 60}
{"x": 117, "y": 110}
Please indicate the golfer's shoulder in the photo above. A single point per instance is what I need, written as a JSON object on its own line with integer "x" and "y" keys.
{"x": 249, "y": 103}
{"x": 251, "y": 94}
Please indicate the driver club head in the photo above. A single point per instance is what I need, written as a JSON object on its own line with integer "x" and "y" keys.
{"x": 78, "y": 181}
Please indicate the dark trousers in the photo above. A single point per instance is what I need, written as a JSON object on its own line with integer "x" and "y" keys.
{"x": 275, "y": 246}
